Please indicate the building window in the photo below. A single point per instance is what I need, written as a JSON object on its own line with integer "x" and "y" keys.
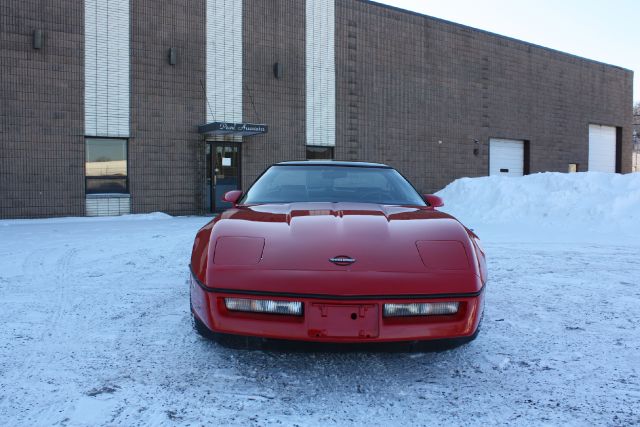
{"x": 319, "y": 153}
{"x": 106, "y": 166}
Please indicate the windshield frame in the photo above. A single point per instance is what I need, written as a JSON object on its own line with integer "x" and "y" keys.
{"x": 243, "y": 202}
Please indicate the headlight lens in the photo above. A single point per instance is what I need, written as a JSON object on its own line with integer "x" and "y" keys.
{"x": 293, "y": 308}
{"x": 421, "y": 309}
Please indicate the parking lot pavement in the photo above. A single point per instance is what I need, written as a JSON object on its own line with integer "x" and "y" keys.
{"x": 96, "y": 330}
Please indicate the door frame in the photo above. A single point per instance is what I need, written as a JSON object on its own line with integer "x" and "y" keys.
{"x": 214, "y": 145}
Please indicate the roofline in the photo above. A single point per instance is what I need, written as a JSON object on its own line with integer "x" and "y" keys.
{"x": 338, "y": 163}
{"x": 456, "y": 24}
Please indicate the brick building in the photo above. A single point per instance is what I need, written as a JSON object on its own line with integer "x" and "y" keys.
{"x": 636, "y": 139}
{"x": 116, "y": 106}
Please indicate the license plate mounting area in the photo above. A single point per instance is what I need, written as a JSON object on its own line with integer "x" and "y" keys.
{"x": 343, "y": 321}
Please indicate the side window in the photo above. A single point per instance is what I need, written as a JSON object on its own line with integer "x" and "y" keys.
{"x": 106, "y": 166}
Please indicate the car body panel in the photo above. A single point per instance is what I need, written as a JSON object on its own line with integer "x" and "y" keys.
{"x": 284, "y": 251}
{"x": 209, "y": 308}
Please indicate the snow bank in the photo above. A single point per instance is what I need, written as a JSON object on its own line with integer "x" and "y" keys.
{"x": 590, "y": 201}
{"x": 70, "y": 219}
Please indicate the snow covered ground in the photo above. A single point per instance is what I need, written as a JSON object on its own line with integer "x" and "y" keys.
{"x": 95, "y": 325}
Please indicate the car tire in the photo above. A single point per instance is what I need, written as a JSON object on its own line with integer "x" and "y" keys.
{"x": 446, "y": 343}
{"x": 229, "y": 341}
{"x": 475, "y": 334}
{"x": 462, "y": 341}
{"x": 201, "y": 328}
{"x": 238, "y": 342}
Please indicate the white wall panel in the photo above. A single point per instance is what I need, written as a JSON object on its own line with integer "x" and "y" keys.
{"x": 321, "y": 84}
{"x": 602, "y": 148}
{"x": 107, "y": 68}
{"x": 224, "y": 60}
{"x": 506, "y": 157}
{"x": 108, "y": 205}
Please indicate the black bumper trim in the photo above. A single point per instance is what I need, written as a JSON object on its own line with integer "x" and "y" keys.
{"x": 333, "y": 297}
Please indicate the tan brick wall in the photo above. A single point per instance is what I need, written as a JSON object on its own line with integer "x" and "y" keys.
{"x": 406, "y": 82}
{"x": 41, "y": 109}
{"x": 274, "y": 31}
{"x": 411, "y": 91}
{"x": 166, "y": 153}
{"x": 635, "y": 160}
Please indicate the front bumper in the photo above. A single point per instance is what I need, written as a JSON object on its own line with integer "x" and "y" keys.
{"x": 337, "y": 319}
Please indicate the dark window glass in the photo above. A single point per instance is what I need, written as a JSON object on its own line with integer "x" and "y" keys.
{"x": 106, "y": 165}
{"x": 106, "y": 185}
{"x": 319, "y": 153}
{"x": 322, "y": 183}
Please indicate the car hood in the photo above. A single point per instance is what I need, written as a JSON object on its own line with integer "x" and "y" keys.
{"x": 305, "y": 236}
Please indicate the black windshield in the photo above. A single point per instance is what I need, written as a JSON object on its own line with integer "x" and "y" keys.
{"x": 325, "y": 183}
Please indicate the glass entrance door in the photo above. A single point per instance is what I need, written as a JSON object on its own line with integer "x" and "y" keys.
{"x": 225, "y": 172}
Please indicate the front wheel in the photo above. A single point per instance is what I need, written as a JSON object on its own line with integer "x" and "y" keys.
{"x": 200, "y": 327}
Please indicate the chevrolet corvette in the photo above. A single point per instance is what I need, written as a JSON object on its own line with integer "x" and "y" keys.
{"x": 340, "y": 252}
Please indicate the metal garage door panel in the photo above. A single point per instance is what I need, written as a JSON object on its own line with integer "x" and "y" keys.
{"x": 506, "y": 157}
{"x": 602, "y": 148}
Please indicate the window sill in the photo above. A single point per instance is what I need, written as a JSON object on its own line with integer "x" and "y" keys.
{"x": 108, "y": 196}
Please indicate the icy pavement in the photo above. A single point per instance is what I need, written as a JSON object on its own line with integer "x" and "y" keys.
{"x": 96, "y": 330}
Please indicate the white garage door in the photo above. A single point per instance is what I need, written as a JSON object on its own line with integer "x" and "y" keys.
{"x": 506, "y": 157}
{"x": 602, "y": 148}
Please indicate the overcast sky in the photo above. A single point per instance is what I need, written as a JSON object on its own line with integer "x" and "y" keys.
{"x": 604, "y": 30}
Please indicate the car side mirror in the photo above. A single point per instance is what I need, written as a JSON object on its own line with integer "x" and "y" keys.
{"x": 232, "y": 197}
{"x": 434, "y": 201}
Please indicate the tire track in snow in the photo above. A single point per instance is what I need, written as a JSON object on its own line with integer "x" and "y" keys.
{"x": 50, "y": 291}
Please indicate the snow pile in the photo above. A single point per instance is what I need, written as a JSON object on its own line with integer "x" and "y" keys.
{"x": 88, "y": 219}
{"x": 95, "y": 326}
{"x": 597, "y": 202}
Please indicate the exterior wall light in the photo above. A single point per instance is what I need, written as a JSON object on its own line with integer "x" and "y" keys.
{"x": 173, "y": 56}
{"x": 38, "y": 39}
{"x": 278, "y": 70}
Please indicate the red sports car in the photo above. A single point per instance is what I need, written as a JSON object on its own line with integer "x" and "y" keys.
{"x": 336, "y": 252}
